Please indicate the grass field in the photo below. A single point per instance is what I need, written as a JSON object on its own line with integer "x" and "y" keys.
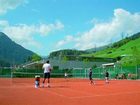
{"x": 21, "y": 91}
{"x": 125, "y": 49}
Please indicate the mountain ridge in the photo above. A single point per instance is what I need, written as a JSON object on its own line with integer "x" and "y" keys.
{"x": 12, "y": 53}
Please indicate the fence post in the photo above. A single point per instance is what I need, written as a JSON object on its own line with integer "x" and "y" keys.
{"x": 136, "y": 71}
{"x": 85, "y": 73}
{"x": 12, "y": 73}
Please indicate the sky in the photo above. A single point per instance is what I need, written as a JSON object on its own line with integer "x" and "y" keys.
{"x": 44, "y": 26}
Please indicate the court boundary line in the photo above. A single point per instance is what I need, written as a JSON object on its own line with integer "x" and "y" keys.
{"x": 52, "y": 92}
{"x": 77, "y": 91}
{"x": 90, "y": 96}
{"x": 114, "y": 94}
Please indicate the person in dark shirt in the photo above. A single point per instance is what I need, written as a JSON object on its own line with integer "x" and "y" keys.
{"x": 90, "y": 76}
{"x": 106, "y": 77}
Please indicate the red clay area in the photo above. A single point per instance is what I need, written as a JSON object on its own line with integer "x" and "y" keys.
{"x": 69, "y": 92}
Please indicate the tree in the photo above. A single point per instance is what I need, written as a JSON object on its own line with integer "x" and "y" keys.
{"x": 86, "y": 61}
{"x": 94, "y": 66}
{"x": 127, "y": 61}
{"x": 36, "y": 57}
{"x": 65, "y": 59}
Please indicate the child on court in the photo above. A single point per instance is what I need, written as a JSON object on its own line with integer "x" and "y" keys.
{"x": 37, "y": 81}
{"x": 66, "y": 75}
{"x": 106, "y": 77}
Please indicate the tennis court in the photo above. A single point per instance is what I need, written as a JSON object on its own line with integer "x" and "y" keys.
{"x": 21, "y": 91}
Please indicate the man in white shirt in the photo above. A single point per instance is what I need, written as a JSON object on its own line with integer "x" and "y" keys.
{"x": 47, "y": 69}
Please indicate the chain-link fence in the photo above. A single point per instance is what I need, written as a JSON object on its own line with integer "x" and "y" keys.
{"x": 117, "y": 72}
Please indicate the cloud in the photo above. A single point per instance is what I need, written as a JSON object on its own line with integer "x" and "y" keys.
{"x": 68, "y": 39}
{"x": 24, "y": 34}
{"x": 45, "y": 29}
{"x": 103, "y": 33}
{"x": 6, "y": 5}
{"x": 3, "y": 23}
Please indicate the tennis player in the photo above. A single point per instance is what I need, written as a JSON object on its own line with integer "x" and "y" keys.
{"x": 66, "y": 75}
{"x": 90, "y": 76}
{"x": 106, "y": 77}
{"x": 47, "y": 70}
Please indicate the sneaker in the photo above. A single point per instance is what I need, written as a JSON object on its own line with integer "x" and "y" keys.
{"x": 36, "y": 86}
{"x": 48, "y": 85}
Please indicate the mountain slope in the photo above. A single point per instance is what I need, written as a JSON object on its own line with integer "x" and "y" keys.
{"x": 12, "y": 53}
{"x": 66, "y": 52}
{"x": 121, "y": 48}
{"x": 97, "y": 49}
{"x": 125, "y": 50}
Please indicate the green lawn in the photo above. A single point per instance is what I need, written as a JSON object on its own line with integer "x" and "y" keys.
{"x": 125, "y": 50}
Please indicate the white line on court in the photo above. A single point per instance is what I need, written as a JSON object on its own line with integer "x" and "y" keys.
{"x": 124, "y": 93}
{"x": 52, "y": 92}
